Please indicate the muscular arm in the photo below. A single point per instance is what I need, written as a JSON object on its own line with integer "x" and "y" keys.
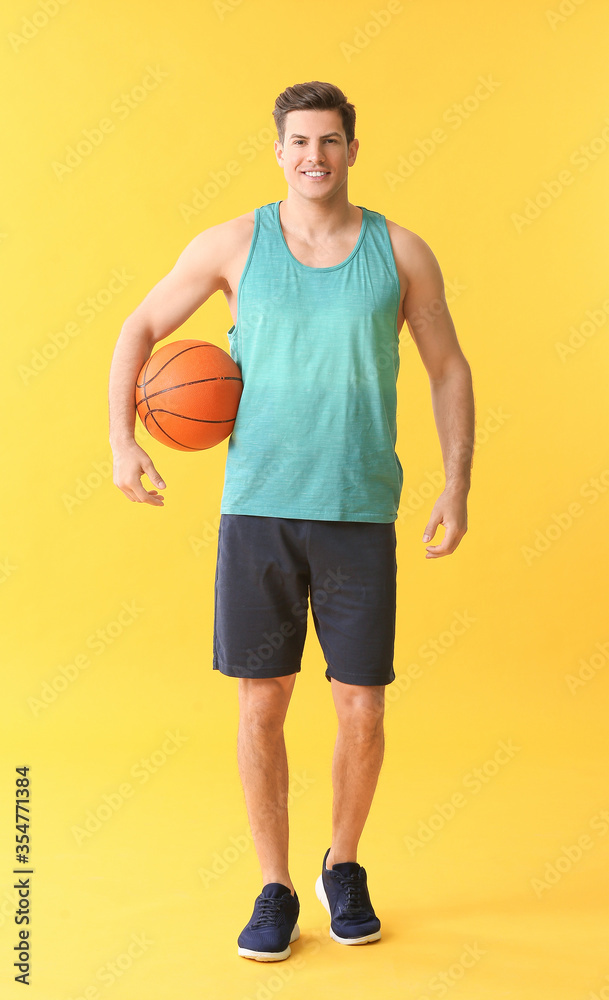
{"x": 433, "y": 332}
{"x": 197, "y": 274}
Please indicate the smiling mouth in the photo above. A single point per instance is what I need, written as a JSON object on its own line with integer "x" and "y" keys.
{"x": 315, "y": 173}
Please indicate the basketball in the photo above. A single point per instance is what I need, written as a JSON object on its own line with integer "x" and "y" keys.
{"x": 187, "y": 394}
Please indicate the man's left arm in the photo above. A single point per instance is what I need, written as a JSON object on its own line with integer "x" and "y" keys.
{"x": 432, "y": 329}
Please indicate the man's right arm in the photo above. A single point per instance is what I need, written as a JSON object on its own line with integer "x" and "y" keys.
{"x": 196, "y": 275}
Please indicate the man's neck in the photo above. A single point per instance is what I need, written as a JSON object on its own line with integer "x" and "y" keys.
{"x": 312, "y": 220}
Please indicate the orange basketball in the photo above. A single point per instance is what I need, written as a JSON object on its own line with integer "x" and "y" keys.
{"x": 187, "y": 394}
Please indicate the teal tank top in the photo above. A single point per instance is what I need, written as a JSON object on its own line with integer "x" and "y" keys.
{"x": 315, "y": 431}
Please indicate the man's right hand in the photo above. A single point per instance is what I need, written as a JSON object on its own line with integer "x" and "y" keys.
{"x": 130, "y": 463}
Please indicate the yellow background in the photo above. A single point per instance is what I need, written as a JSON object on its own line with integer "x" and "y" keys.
{"x": 74, "y": 550}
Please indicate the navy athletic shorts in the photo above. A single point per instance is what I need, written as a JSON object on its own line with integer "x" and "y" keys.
{"x": 266, "y": 570}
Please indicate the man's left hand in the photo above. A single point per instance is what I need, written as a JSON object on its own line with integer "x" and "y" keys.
{"x": 450, "y": 510}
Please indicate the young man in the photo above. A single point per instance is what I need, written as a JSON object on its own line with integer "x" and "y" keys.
{"x": 318, "y": 289}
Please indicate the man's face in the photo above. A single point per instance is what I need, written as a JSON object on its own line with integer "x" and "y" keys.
{"x": 315, "y": 141}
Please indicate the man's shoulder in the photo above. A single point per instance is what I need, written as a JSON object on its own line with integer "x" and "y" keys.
{"x": 224, "y": 241}
{"x": 408, "y": 247}
{"x": 235, "y": 228}
{"x": 406, "y": 237}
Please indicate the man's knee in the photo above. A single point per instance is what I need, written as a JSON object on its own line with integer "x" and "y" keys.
{"x": 265, "y": 698}
{"x": 360, "y": 707}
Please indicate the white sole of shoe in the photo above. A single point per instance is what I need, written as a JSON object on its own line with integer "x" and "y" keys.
{"x": 320, "y": 892}
{"x": 270, "y": 956}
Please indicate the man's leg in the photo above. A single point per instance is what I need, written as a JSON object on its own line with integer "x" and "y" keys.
{"x": 263, "y": 767}
{"x": 358, "y": 756}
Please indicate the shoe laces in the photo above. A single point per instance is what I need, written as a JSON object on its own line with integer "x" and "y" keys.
{"x": 268, "y": 910}
{"x": 353, "y": 886}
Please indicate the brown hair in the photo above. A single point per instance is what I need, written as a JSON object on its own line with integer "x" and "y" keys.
{"x": 314, "y": 96}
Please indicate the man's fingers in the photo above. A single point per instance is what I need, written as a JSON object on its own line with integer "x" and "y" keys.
{"x": 154, "y": 476}
{"x": 130, "y": 463}
{"x": 137, "y": 494}
{"x": 430, "y": 531}
{"x": 137, "y": 490}
{"x": 128, "y": 493}
{"x": 452, "y": 537}
{"x": 149, "y": 496}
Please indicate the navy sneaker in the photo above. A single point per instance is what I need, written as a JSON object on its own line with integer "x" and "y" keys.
{"x": 272, "y": 925}
{"x": 343, "y": 890}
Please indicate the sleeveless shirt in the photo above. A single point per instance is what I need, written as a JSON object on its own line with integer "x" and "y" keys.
{"x": 315, "y": 431}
